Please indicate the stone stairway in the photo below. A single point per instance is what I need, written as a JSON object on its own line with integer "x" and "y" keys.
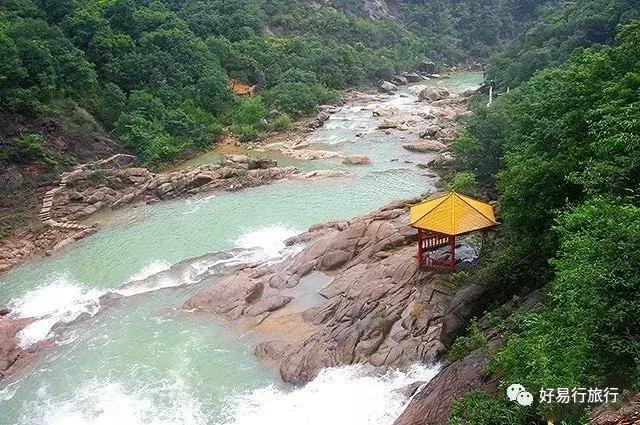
{"x": 47, "y": 205}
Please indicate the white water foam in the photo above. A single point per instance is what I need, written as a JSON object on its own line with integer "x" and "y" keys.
{"x": 111, "y": 403}
{"x": 154, "y": 267}
{"x": 58, "y": 300}
{"x": 269, "y": 241}
{"x": 344, "y": 395}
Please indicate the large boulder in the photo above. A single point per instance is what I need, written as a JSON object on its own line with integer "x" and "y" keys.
{"x": 425, "y": 146}
{"x": 433, "y": 94}
{"x": 412, "y": 77}
{"x": 400, "y": 80}
{"x": 356, "y": 160}
{"x": 428, "y": 66}
{"x": 430, "y": 132}
{"x": 387, "y": 87}
{"x": 9, "y": 349}
{"x": 387, "y": 124}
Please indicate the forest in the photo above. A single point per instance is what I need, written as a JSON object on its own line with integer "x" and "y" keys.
{"x": 561, "y": 153}
{"x": 155, "y": 74}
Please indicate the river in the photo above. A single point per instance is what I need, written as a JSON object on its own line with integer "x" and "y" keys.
{"x": 141, "y": 360}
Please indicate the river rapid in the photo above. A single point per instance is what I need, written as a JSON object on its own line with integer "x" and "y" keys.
{"x": 140, "y": 359}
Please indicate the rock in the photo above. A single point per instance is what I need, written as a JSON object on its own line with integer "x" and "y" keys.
{"x": 271, "y": 350}
{"x": 442, "y": 161}
{"x": 428, "y": 66}
{"x": 273, "y": 303}
{"x": 387, "y": 124}
{"x": 425, "y": 146}
{"x": 427, "y": 115}
{"x": 387, "y": 87}
{"x": 165, "y": 188}
{"x": 379, "y": 112}
{"x": 430, "y": 132}
{"x": 412, "y": 77}
{"x": 432, "y": 405}
{"x": 376, "y": 308}
{"x": 4, "y": 311}
{"x": 356, "y": 160}
{"x": 319, "y": 120}
{"x": 251, "y": 162}
{"x": 628, "y": 413}
{"x": 9, "y": 348}
{"x": 417, "y": 89}
{"x": 433, "y": 94}
{"x": 400, "y": 80}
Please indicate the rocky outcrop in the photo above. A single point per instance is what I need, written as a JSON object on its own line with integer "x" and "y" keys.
{"x": 432, "y": 405}
{"x": 356, "y": 160}
{"x": 433, "y": 94}
{"x": 627, "y": 414}
{"x": 400, "y": 80}
{"x": 372, "y": 303}
{"x": 425, "y": 146}
{"x": 10, "y": 352}
{"x": 387, "y": 87}
{"x": 412, "y": 77}
{"x": 428, "y": 66}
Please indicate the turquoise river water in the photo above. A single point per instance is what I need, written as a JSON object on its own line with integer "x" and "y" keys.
{"x": 141, "y": 360}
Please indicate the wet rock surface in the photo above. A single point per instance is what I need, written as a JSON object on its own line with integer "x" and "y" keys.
{"x": 10, "y": 351}
{"x": 377, "y": 308}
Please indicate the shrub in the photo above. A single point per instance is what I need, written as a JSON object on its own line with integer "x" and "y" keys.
{"x": 480, "y": 408}
{"x": 282, "y": 122}
{"x": 465, "y": 345}
{"x": 464, "y": 182}
{"x": 31, "y": 148}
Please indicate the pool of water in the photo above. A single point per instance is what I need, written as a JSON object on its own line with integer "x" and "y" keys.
{"x": 140, "y": 359}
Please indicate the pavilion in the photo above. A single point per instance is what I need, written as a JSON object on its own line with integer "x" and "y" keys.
{"x": 440, "y": 220}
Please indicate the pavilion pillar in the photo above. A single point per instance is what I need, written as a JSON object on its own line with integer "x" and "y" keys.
{"x": 452, "y": 243}
{"x": 420, "y": 250}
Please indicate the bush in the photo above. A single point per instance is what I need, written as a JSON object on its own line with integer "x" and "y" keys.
{"x": 245, "y": 133}
{"x": 31, "y": 148}
{"x": 464, "y": 182}
{"x": 465, "y": 345}
{"x": 281, "y": 123}
{"x": 480, "y": 408}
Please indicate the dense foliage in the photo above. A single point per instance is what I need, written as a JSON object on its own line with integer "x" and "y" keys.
{"x": 562, "y": 151}
{"x": 156, "y": 73}
{"x": 562, "y": 28}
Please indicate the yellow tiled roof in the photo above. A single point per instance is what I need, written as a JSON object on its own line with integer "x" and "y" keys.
{"x": 453, "y": 214}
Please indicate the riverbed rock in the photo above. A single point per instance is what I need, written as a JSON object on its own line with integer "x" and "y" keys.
{"x": 412, "y": 77}
{"x": 428, "y": 66}
{"x": 425, "y": 146}
{"x": 430, "y": 132}
{"x": 9, "y": 348}
{"x": 320, "y": 119}
{"x": 433, "y": 94}
{"x": 400, "y": 80}
{"x": 356, "y": 160}
{"x": 387, "y": 124}
{"x": 387, "y": 87}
